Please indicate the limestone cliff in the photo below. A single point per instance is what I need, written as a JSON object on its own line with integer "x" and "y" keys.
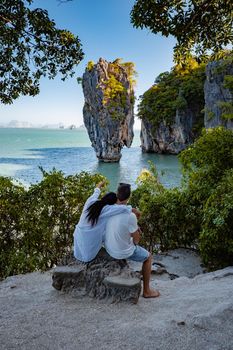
{"x": 217, "y": 96}
{"x": 170, "y": 110}
{"x": 108, "y": 110}
{"x": 170, "y": 138}
{"x": 167, "y": 128}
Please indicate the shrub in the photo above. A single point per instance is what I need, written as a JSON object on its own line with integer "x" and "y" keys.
{"x": 205, "y": 162}
{"x": 36, "y": 227}
{"x": 12, "y": 197}
{"x": 216, "y": 239}
{"x": 169, "y": 219}
{"x": 90, "y": 65}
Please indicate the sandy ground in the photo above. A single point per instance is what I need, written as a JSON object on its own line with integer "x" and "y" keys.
{"x": 190, "y": 314}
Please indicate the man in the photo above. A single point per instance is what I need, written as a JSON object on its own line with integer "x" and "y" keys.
{"x": 122, "y": 237}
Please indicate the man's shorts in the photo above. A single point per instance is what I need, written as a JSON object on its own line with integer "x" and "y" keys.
{"x": 140, "y": 254}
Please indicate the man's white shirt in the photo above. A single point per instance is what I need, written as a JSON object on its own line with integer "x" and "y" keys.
{"x": 118, "y": 241}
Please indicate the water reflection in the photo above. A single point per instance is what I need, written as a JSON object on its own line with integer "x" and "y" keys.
{"x": 76, "y": 159}
{"x": 133, "y": 161}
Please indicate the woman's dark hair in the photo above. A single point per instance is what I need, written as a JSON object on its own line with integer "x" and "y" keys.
{"x": 94, "y": 210}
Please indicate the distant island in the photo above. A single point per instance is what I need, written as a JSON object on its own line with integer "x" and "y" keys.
{"x": 28, "y": 125}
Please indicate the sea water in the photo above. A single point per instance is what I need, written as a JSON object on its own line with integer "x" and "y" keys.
{"x": 23, "y": 151}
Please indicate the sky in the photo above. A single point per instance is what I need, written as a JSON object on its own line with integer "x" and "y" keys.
{"x": 104, "y": 28}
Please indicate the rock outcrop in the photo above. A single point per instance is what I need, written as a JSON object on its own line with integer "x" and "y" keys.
{"x": 170, "y": 138}
{"x": 173, "y": 264}
{"x": 190, "y": 314}
{"x": 216, "y": 94}
{"x": 103, "y": 278}
{"x": 108, "y": 110}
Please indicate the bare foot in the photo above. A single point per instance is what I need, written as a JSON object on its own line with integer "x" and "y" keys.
{"x": 152, "y": 293}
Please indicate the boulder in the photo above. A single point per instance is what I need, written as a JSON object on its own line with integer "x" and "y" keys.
{"x": 102, "y": 278}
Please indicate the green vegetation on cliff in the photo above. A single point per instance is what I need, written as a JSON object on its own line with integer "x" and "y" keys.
{"x": 180, "y": 89}
{"x": 90, "y": 65}
{"x": 117, "y": 87}
{"x": 117, "y": 95}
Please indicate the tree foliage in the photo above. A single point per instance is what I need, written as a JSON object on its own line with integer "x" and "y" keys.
{"x": 207, "y": 160}
{"x": 31, "y": 47}
{"x": 198, "y": 25}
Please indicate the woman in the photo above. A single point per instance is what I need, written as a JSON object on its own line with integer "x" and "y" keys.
{"x": 89, "y": 232}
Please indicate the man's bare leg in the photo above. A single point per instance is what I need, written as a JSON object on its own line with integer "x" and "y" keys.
{"x": 146, "y": 272}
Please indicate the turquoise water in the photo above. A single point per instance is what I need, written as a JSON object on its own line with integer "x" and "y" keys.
{"x": 22, "y": 151}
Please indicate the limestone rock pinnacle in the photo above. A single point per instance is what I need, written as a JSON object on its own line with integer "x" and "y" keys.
{"x": 108, "y": 110}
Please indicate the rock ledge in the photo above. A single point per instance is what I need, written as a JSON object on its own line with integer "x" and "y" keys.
{"x": 103, "y": 278}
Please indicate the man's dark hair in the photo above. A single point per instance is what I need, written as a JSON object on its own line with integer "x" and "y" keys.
{"x": 123, "y": 191}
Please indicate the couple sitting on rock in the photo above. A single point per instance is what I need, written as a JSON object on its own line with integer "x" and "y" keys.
{"x": 110, "y": 221}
